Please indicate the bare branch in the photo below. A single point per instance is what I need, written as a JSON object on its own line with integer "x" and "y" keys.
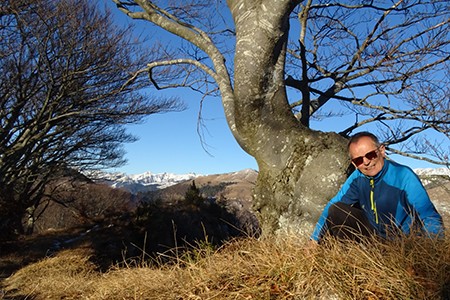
{"x": 418, "y": 157}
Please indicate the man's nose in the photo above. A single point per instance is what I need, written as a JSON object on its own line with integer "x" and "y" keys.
{"x": 366, "y": 161}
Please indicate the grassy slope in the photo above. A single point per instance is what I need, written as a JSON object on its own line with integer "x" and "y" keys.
{"x": 247, "y": 268}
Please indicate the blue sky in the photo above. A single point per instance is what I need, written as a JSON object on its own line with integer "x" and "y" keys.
{"x": 170, "y": 142}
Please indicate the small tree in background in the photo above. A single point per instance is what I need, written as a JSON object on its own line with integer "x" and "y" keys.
{"x": 193, "y": 195}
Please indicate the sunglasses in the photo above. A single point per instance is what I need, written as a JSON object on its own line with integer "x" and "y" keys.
{"x": 370, "y": 156}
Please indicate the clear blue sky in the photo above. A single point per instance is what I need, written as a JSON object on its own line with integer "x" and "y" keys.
{"x": 170, "y": 142}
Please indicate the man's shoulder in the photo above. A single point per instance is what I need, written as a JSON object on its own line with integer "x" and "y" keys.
{"x": 399, "y": 168}
{"x": 357, "y": 180}
{"x": 400, "y": 172}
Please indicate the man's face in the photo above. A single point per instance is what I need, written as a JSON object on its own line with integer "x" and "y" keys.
{"x": 369, "y": 166}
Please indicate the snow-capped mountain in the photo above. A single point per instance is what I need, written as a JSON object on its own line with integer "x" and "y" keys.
{"x": 430, "y": 177}
{"x": 141, "y": 182}
{"x": 431, "y": 171}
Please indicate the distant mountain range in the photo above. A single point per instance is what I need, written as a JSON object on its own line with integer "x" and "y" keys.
{"x": 239, "y": 185}
{"x": 149, "y": 181}
{"x": 431, "y": 171}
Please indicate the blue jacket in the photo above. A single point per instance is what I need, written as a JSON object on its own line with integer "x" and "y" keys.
{"x": 393, "y": 195}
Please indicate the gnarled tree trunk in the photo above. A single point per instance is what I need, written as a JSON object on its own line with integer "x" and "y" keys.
{"x": 299, "y": 169}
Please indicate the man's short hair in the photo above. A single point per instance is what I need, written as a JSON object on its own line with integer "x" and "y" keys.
{"x": 355, "y": 138}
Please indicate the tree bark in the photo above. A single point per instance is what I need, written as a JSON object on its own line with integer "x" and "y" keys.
{"x": 299, "y": 169}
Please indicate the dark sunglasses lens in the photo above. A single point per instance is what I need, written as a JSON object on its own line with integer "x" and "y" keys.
{"x": 357, "y": 161}
{"x": 371, "y": 155}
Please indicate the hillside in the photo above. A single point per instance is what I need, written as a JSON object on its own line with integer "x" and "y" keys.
{"x": 252, "y": 268}
{"x": 235, "y": 185}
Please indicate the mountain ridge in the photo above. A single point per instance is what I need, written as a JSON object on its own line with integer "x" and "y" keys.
{"x": 148, "y": 181}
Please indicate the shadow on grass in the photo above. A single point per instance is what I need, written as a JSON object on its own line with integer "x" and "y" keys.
{"x": 153, "y": 229}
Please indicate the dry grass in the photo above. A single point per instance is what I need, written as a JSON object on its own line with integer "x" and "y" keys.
{"x": 415, "y": 268}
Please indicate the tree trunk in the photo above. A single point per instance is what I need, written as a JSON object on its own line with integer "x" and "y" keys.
{"x": 291, "y": 194}
{"x": 299, "y": 169}
{"x": 30, "y": 220}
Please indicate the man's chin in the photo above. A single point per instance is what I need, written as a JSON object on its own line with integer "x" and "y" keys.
{"x": 369, "y": 172}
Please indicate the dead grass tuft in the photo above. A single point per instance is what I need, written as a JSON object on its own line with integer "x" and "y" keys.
{"x": 69, "y": 273}
{"x": 247, "y": 268}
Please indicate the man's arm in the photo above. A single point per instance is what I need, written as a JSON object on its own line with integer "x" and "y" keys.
{"x": 347, "y": 194}
{"x": 418, "y": 198}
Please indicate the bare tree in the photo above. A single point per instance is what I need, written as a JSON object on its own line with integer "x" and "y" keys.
{"x": 385, "y": 62}
{"x": 65, "y": 95}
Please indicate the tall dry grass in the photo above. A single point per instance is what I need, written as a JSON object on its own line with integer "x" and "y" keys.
{"x": 247, "y": 268}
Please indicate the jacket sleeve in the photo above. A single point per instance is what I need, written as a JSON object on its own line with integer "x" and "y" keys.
{"x": 346, "y": 194}
{"x": 422, "y": 205}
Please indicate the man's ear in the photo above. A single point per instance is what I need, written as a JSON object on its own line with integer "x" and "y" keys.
{"x": 383, "y": 150}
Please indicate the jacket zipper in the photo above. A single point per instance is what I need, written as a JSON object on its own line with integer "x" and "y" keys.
{"x": 374, "y": 205}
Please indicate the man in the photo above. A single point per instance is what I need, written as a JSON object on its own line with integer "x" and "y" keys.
{"x": 379, "y": 197}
